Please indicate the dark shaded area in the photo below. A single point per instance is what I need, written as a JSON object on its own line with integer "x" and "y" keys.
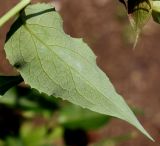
{"x": 7, "y": 82}
{"x": 76, "y": 137}
{"x": 43, "y": 101}
{"x": 156, "y": 16}
{"x": 132, "y": 4}
{"x": 15, "y": 26}
{"x": 10, "y": 121}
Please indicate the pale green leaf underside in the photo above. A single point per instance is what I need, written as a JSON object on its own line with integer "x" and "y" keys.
{"x": 56, "y": 64}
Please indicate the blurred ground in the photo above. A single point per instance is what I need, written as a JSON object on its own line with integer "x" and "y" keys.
{"x": 135, "y": 73}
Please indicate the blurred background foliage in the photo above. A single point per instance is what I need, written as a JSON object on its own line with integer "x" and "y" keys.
{"x": 28, "y": 118}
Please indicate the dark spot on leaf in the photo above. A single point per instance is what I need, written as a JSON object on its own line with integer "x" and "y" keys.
{"x": 19, "y": 65}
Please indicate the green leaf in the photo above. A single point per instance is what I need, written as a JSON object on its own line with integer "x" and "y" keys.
{"x": 114, "y": 141}
{"x": 7, "y": 82}
{"x": 32, "y": 135}
{"x": 156, "y": 11}
{"x": 73, "y": 117}
{"x": 156, "y": 16}
{"x": 139, "y": 13}
{"x": 57, "y": 64}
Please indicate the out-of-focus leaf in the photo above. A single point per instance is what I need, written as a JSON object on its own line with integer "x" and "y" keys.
{"x": 43, "y": 101}
{"x": 27, "y": 99}
{"x": 156, "y": 11}
{"x": 9, "y": 98}
{"x": 57, "y": 64}
{"x": 76, "y": 117}
{"x": 139, "y": 12}
{"x": 38, "y": 135}
{"x": 11, "y": 141}
{"x": 156, "y": 16}
{"x": 114, "y": 141}
{"x": 33, "y": 135}
{"x": 6, "y": 82}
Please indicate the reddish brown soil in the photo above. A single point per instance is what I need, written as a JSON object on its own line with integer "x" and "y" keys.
{"x": 135, "y": 73}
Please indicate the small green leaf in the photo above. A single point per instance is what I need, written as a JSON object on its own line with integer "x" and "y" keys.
{"x": 7, "y": 82}
{"x": 57, "y": 64}
{"x": 139, "y": 12}
{"x": 156, "y": 16}
{"x": 156, "y": 11}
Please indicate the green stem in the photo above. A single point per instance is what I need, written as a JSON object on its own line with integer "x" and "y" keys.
{"x": 11, "y": 13}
